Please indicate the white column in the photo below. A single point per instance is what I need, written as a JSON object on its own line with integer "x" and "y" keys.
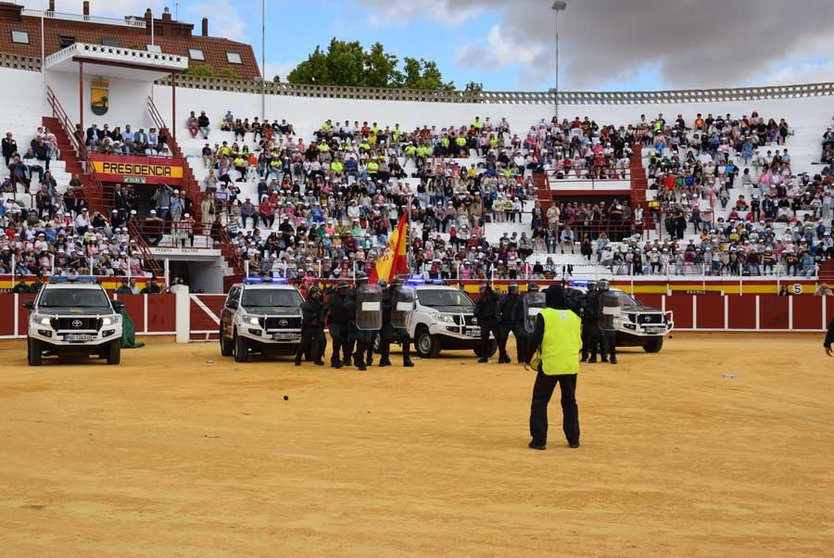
{"x": 694, "y": 311}
{"x": 758, "y": 312}
{"x": 183, "y": 313}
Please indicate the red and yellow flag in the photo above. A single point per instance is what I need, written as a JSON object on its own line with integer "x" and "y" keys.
{"x": 392, "y": 261}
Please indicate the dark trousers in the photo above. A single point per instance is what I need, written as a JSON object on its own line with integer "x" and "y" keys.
{"x": 311, "y": 344}
{"x": 339, "y": 334}
{"x": 520, "y": 335}
{"x": 488, "y": 327}
{"x": 386, "y": 337}
{"x": 363, "y": 339}
{"x": 590, "y": 340}
{"x": 608, "y": 341}
{"x": 542, "y": 392}
{"x": 521, "y": 340}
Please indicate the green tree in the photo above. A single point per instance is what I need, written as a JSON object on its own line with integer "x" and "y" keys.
{"x": 381, "y": 68}
{"x": 474, "y": 87}
{"x": 348, "y": 63}
{"x": 201, "y": 70}
{"x": 423, "y": 74}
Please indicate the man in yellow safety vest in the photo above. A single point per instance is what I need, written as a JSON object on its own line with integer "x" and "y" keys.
{"x": 554, "y": 354}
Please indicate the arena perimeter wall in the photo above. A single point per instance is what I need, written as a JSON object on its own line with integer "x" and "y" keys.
{"x": 196, "y": 317}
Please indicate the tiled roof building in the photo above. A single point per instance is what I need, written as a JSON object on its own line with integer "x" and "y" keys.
{"x": 20, "y": 33}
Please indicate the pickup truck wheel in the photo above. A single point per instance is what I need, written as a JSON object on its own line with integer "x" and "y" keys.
{"x": 114, "y": 352}
{"x": 493, "y": 347}
{"x": 241, "y": 349}
{"x": 426, "y": 345}
{"x": 226, "y": 347}
{"x": 34, "y": 352}
{"x": 654, "y": 345}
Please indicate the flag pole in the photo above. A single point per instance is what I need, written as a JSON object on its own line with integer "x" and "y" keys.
{"x": 408, "y": 235}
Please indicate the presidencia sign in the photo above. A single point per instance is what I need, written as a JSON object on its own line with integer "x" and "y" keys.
{"x": 137, "y": 170}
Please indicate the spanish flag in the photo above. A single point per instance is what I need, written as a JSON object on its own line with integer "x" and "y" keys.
{"x": 392, "y": 261}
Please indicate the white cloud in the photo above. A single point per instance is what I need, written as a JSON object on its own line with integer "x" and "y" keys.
{"x": 687, "y": 43}
{"x": 501, "y": 50}
{"x": 224, "y": 18}
{"x": 385, "y": 13}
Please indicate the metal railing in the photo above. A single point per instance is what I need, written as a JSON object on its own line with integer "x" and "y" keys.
{"x": 506, "y": 97}
{"x": 127, "y": 21}
{"x": 192, "y": 188}
{"x": 67, "y": 125}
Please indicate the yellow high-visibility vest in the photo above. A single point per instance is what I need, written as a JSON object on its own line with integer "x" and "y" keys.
{"x": 561, "y": 343}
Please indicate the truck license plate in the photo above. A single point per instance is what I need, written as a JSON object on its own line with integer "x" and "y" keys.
{"x": 286, "y": 336}
{"x": 78, "y": 337}
{"x": 473, "y": 331}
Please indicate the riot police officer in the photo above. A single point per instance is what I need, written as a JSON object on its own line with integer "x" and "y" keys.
{"x": 486, "y": 311}
{"x": 590, "y": 328}
{"x": 608, "y": 308}
{"x": 361, "y": 336}
{"x": 390, "y": 330}
{"x": 312, "y": 328}
{"x": 338, "y": 319}
{"x": 515, "y": 324}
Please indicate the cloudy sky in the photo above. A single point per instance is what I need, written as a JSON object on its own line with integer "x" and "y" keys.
{"x": 510, "y": 44}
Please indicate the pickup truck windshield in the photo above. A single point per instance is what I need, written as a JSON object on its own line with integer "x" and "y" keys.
{"x": 260, "y": 298}
{"x": 442, "y": 297}
{"x": 70, "y": 298}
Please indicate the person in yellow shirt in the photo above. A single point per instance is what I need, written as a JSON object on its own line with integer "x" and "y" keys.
{"x": 553, "y": 353}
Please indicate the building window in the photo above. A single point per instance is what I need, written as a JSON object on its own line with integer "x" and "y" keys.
{"x": 233, "y": 58}
{"x": 67, "y": 41}
{"x": 196, "y": 54}
{"x": 20, "y": 37}
{"x": 110, "y": 41}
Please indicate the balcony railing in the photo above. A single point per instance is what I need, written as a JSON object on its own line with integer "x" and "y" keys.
{"x": 135, "y": 22}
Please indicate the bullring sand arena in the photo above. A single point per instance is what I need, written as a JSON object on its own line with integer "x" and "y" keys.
{"x": 720, "y": 445}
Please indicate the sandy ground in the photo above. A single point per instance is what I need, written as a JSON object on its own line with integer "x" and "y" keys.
{"x": 179, "y": 452}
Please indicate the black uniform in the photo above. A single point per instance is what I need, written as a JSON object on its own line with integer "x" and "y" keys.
{"x": 829, "y": 335}
{"x": 506, "y": 304}
{"x": 608, "y": 299}
{"x": 486, "y": 311}
{"x": 518, "y": 318}
{"x": 338, "y": 319}
{"x": 361, "y": 339}
{"x": 389, "y": 332}
{"x": 590, "y": 327}
{"x": 312, "y": 331}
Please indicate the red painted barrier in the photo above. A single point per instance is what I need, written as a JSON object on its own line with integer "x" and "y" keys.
{"x": 135, "y": 308}
{"x": 710, "y": 312}
{"x": 774, "y": 312}
{"x": 807, "y": 312}
{"x": 162, "y": 313}
{"x": 681, "y": 307}
{"x": 201, "y": 319}
{"x": 741, "y": 312}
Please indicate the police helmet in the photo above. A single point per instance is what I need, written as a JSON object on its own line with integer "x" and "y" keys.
{"x": 592, "y": 286}
{"x": 382, "y": 283}
{"x": 395, "y": 282}
{"x": 602, "y": 285}
{"x": 314, "y": 291}
{"x": 361, "y": 278}
{"x": 532, "y": 288}
{"x": 513, "y": 288}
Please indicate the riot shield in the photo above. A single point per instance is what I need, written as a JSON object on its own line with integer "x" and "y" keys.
{"x": 533, "y": 304}
{"x": 369, "y": 307}
{"x": 402, "y": 307}
{"x": 610, "y": 309}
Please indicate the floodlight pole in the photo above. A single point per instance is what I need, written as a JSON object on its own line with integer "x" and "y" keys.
{"x": 558, "y": 6}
